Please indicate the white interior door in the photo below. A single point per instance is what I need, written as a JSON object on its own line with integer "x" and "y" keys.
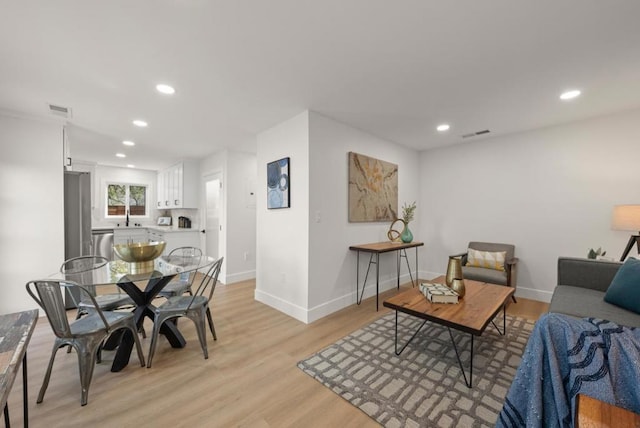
{"x": 213, "y": 190}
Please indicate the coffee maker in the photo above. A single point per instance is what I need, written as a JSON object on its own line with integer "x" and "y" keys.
{"x": 184, "y": 222}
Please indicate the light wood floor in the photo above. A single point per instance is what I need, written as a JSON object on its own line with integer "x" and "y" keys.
{"x": 250, "y": 378}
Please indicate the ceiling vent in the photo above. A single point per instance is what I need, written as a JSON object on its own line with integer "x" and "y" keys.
{"x": 475, "y": 134}
{"x": 60, "y": 110}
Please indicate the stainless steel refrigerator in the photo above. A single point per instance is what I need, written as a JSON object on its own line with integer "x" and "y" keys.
{"x": 77, "y": 217}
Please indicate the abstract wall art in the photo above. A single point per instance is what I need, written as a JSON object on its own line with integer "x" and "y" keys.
{"x": 373, "y": 189}
{"x": 278, "y": 184}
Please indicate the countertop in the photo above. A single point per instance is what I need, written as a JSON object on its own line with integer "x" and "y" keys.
{"x": 172, "y": 229}
{"x": 163, "y": 229}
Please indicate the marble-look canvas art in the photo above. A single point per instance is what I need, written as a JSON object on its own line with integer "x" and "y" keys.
{"x": 373, "y": 189}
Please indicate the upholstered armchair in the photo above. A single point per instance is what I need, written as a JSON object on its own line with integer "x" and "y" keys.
{"x": 487, "y": 263}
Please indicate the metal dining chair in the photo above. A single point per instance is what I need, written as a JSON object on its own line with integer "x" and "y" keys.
{"x": 106, "y": 302}
{"x": 184, "y": 280}
{"x": 195, "y": 307}
{"x": 84, "y": 335}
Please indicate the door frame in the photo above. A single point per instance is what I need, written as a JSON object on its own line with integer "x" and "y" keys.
{"x": 222, "y": 233}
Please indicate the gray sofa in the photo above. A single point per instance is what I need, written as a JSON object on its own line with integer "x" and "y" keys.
{"x": 582, "y": 284}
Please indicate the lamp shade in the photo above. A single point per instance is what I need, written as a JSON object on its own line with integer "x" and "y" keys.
{"x": 626, "y": 217}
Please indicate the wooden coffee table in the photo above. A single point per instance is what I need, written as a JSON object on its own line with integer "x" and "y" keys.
{"x": 479, "y": 306}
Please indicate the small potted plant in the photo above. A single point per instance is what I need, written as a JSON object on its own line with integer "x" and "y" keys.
{"x": 408, "y": 210}
{"x": 596, "y": 254}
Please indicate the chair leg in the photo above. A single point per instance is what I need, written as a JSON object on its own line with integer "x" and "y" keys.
{"x": 47, "y": 376}
{"x": 513, "y": 296}
{"x": 154, "y": 338}
{"x": 211, "y": 327}
{"x": 198, "y": 320}
{"x": 133, "y": 329}
{"x": 78, "y": 316}
{"x": 86, "y": 362}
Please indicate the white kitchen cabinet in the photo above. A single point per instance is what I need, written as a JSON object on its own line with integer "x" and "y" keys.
{"x": 182, "y": 239}
{"x": 154, "y": 235}
{"x": 178, "y": 186}
{"x": 162, "y": 191}
{"x": 175, "y": 239}
{"x": 127, "y": 236}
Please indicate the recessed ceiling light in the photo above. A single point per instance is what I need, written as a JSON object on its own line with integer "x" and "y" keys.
{"x": 128, "y": 143}
{"x": 443, "y": 127}
{"x": 121, "y": 155}
{"x": 131, "y": 166}
{"x": 569, "y": 95}
{"x": 165, "y": 89}
{"x": 140, "y": 123}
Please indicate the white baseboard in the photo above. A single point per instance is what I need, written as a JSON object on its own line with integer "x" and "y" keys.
{"x": 240, "y": 276}
{"x": 313, "y": 314}
{"x": 295, "y": 311}
{"x": 349, "y": 299}
{"x": 524, "y": 292}
{"x": 533, "y": 294}
{"x": 310, "y": 315}
{"x": 426, "y": 275}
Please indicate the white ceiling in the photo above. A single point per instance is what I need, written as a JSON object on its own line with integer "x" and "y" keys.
{"x": 393, "y": 68}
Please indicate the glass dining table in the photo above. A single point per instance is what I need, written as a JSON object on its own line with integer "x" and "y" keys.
{"x": 142, "y": 287}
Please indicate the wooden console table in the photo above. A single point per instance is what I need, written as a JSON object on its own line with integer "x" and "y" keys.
{"x": 375, "y": 249}
{"x": 15, "y": 332}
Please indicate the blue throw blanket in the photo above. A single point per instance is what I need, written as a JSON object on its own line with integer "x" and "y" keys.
{"x": 565, "y": 357}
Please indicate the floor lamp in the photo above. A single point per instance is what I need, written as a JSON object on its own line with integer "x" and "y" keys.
{"x": 627, "y": 217}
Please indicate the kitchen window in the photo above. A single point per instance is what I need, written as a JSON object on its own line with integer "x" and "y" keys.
{"x": 123, "y": 197}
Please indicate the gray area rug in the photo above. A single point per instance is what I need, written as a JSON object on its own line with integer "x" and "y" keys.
{"x": 423, "y": 387}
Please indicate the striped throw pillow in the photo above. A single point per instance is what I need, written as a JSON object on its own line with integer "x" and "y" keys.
{"x": 486, "y": 259}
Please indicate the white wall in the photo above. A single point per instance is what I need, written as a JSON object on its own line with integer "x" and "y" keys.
{"x": 216, "y": 164}
{"x": 241, "y": 221}
{"x": 305, "y": 267}
{"x": 238, "y": 219}
{"x": 332, "y": 267}
{"x": 282, "y": 235}
{"x": 31, "y": 206}
{"x": 550, "y": 192}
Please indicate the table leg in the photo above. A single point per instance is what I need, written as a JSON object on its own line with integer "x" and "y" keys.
{"x": 358, "y": 277}
{"x": 140, "y": 299}
{"x": 504, "y": 321}
{"x": 123, "y": 352}
{"x": 398, "y": 257}
{"x": 469, "y": 382}
{"x": 173, "y": 335}
{"x": 366, "y": 276}
{"x": 25, "y": 398}
{"x": 377, "y": 278}
{"x": 144, "y": 310}
{"x": 416, "y": 268}
{"x": 403, "y": 253}
{"x": 25, "y": 393}
{"x": 410, "y": 340}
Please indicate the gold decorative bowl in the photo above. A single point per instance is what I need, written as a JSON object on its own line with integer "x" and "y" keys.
{"x": 141, "y": 254}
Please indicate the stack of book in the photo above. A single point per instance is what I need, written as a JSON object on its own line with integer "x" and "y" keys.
{"x": 438, "y": 293}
